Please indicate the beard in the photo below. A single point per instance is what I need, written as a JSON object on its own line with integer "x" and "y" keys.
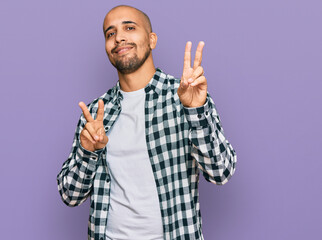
{"x": 127, "y": 65}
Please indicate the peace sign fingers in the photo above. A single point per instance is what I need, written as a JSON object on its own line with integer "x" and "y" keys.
{"x": 198, "y": 56}
{"x": 193, "y": 85}
{"x": 88, "y": 116}
{"x": 93, "y": 135}
{"x": 187, "y": 56}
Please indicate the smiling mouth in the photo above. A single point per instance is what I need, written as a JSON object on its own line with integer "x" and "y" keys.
{"x": 123, "y": 50}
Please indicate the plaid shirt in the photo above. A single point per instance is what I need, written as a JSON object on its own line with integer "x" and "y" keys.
{"x": 180, "y": 141}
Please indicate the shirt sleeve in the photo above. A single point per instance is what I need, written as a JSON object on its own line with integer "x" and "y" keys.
{"x": 75, "y": 180}
{"x": 214, "y": 154}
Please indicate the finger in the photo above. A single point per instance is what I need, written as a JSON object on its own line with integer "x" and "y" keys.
{"x": 104, "y": 139}
{"x": 199, "y": 81}
{"x": 184, "y": 83}
{"x": 86, "y": 134}
{"x": 187, "y": 56}
{"x": 101, "y": 133}
{"x": 86, "y": 113}
{"x": 196, "y": 73}
{"x": 198, "y": 56}
{"x": 100, "y": 110}
{"x": 91, "y": 131}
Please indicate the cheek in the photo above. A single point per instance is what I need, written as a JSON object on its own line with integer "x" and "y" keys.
{"x": 144, "y": 44}
{"x": 108, "y": 48}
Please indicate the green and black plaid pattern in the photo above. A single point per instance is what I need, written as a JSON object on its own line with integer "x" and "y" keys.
{"x": 180, "y": 141}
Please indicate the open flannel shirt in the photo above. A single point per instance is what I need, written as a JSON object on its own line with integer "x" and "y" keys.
{"x": 180, "y": 141}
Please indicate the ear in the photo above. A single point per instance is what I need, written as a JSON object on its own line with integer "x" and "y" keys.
{"x": 153, "y": 40}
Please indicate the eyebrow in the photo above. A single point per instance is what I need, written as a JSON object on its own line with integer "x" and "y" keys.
{"x": 124, "y": 22}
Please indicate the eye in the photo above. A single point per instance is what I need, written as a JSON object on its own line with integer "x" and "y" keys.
{"x": 130, "y": 28}
{"x": 110, "y": 34}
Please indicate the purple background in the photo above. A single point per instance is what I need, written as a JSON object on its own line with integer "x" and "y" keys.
{"x": 263, "y": 62}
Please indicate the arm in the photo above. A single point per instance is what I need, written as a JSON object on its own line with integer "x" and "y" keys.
{"x": 215, "y": 156}
{"x": 213, "y": 153}
{"x": 76, "y": 177}
{"x": 75, "y": 180}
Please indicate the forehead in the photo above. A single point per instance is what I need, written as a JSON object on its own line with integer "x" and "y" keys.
{"x": 118, "y": 15}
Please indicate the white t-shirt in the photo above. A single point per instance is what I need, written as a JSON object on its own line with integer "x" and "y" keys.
{"x": 134, "y": 211}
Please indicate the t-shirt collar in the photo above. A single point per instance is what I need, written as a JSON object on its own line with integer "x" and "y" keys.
{"x": 155, "y": 84}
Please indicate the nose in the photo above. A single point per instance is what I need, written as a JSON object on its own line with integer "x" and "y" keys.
{"x": 120, "y": 36}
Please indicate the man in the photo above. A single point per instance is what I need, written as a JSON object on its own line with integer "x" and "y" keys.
{"x": 138, "y": 149}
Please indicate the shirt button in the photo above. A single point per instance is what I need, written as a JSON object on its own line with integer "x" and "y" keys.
{"x": 207, "y": 113}
{"x": 105, "y": 209}
{"x": 101, "y": 238}
{"x": 199, "y": 116}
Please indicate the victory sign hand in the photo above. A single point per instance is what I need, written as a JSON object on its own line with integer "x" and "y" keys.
{"x": 192, "y": 91}
{"x": 93, "y": 135}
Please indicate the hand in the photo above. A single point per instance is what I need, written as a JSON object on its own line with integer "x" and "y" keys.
{"x": 93, "y": 135}
{"x": 192, "y": 91}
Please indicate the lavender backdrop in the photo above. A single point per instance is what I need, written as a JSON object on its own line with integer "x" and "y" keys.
{"x": 263, "y": 62}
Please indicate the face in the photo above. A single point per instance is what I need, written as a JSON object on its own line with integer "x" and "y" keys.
{"x": 127, "y": 41}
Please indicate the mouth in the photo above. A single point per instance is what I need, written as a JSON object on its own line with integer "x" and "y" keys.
{"x": 122, "y": 50}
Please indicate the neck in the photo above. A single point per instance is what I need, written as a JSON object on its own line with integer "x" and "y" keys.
{"x": 138, "y": 79}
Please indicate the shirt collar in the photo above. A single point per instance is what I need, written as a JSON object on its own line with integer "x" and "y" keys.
{"x": 155, "y": 84}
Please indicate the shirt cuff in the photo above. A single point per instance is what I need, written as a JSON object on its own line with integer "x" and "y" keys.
{"x": 200, "y": 116}
{"x": 88, "y": 156}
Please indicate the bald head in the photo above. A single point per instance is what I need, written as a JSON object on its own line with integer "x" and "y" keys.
{"x": 144, "y": 18}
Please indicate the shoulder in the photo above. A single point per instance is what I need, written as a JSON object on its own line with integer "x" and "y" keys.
{"x": 170, "y": 82}
{"x": 173, "y": 82}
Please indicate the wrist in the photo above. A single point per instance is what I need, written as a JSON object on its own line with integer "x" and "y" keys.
{"x": 195, "y": 105}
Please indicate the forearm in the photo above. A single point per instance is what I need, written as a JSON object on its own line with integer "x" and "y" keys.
{"x": 209, "y": 147}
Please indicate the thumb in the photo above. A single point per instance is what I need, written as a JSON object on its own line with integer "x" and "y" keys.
{"x": 102, "y": 135}
{"x": 183, "y": 86}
